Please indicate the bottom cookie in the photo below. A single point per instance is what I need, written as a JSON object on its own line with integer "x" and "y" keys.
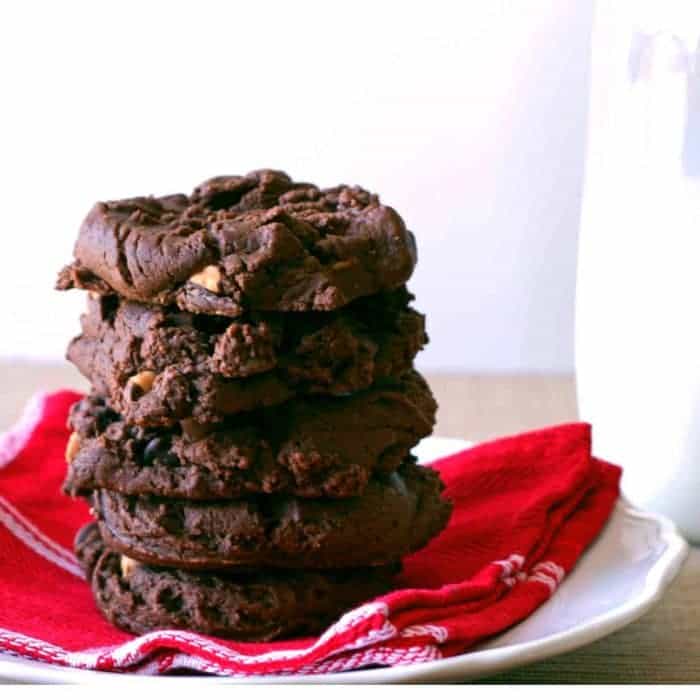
{"x": 256, "y": 606}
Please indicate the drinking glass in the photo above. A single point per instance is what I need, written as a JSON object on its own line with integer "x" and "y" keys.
{"x": 638, "y": 286}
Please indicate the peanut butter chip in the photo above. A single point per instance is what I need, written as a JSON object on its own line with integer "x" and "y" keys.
{"x": 127, "y": 565}
{"x": 209, "y": 278}
{"x": 72, "y": 447}
{"x": 139, "y": 384}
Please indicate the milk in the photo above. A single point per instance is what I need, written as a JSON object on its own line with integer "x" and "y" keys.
{"x": 638, "y": 287}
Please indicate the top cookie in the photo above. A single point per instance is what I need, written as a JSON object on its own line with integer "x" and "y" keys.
{"x": 238, "y": 243}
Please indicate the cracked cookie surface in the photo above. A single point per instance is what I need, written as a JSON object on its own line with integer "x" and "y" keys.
{"x": 316, "y": 447}
{"x": 237, "y": 243}
{"x": 158, "y": 365}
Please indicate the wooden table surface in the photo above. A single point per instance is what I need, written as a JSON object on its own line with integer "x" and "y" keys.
{"x": 663, "y": 646}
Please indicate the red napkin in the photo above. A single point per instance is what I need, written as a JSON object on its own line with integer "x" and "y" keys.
{"x": 525, "y": 508}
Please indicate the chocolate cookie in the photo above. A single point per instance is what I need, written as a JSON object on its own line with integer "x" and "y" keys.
{"x": 158, "y": 365}
{"x": 256, "y": 606}
{"x": 397, "y": 514}
{"x": 316, "y": 447}
{"x": 259, "y": 241}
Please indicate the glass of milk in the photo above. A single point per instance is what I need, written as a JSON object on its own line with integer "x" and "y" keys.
{"x": 638, "y": 287}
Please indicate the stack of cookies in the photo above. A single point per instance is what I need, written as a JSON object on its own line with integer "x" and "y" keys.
{"x": 246, "y": 444}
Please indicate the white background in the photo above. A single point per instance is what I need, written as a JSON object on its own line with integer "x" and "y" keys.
{"x": 468, "y": 117}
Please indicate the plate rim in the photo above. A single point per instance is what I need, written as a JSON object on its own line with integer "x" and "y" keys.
{"x": 482, "y": 663}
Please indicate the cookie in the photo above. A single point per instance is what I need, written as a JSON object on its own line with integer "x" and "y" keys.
{"x": 397, "y": 514}
{"x": 258, "y": 241}
{"x": 158, "y": 365}
{"x": 317, "y": 447}
{"x": 258, "y": 606}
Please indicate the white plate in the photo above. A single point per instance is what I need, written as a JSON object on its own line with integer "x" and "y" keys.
{"x": 622, "y": 575}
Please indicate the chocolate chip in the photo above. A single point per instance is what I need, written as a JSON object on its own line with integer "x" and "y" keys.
{"x": 103, "y": 417}
{"x": 158, "y": 450}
